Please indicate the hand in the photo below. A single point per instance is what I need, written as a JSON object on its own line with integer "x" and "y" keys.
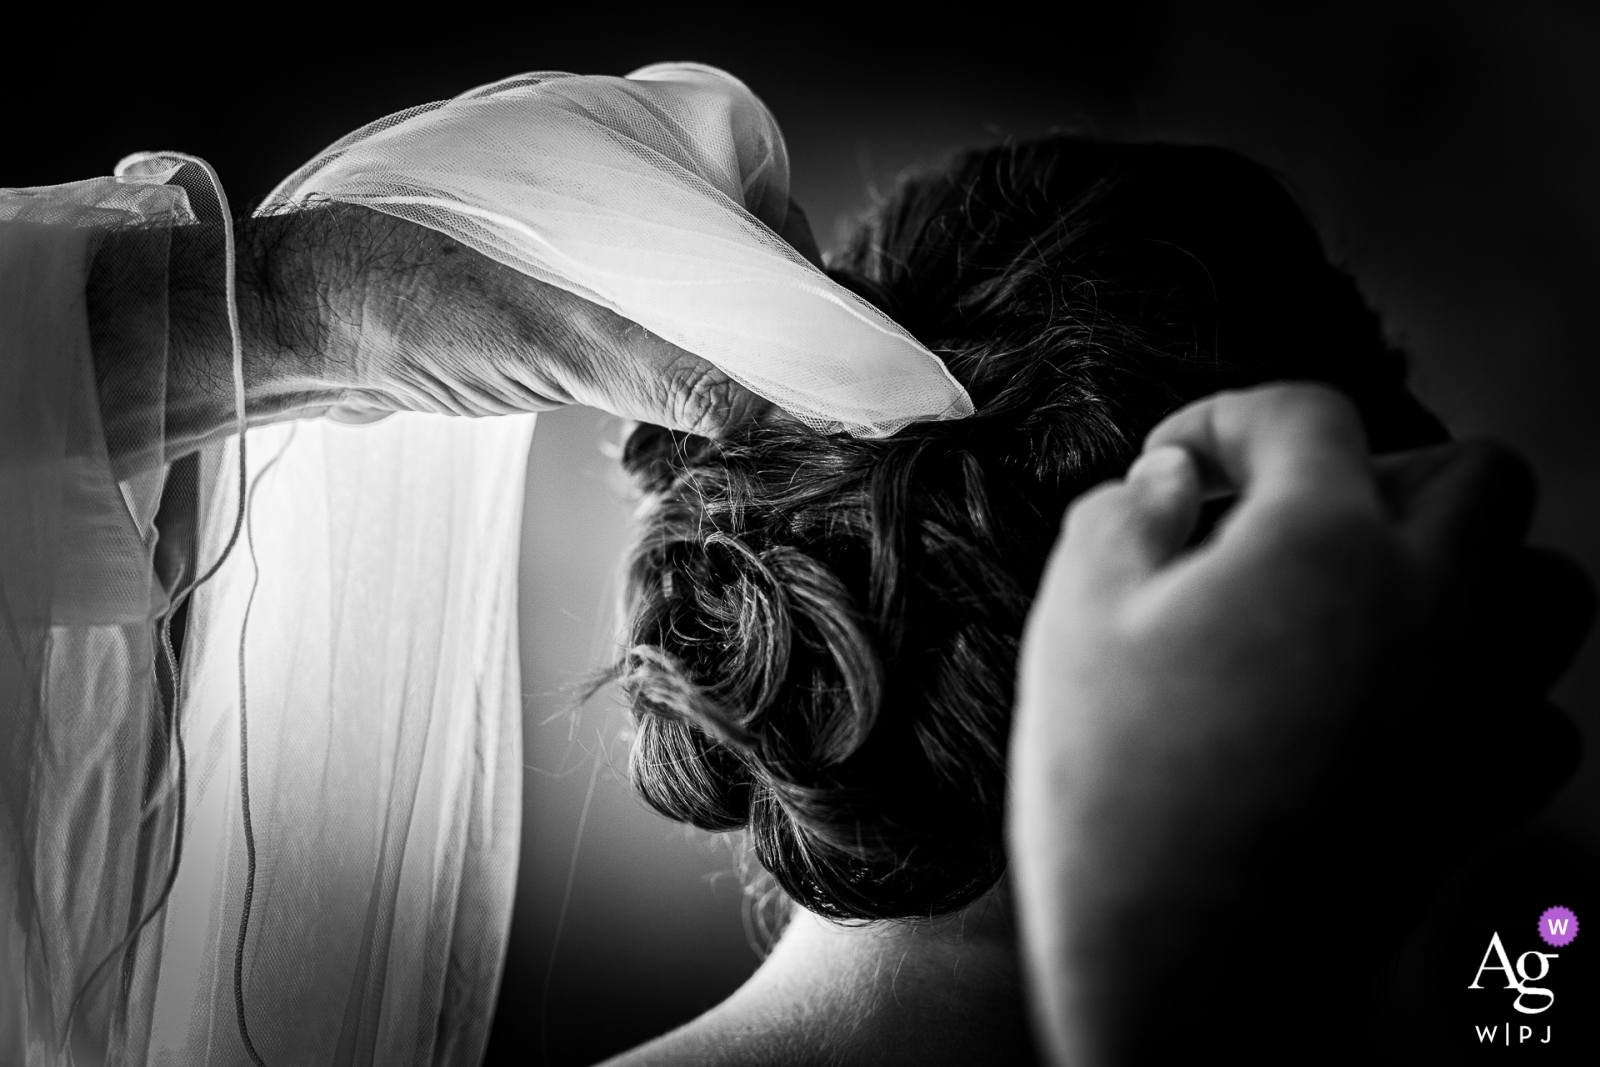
{"x": 415, "y": 321}
{"x": 355, "y": 313}
{"x": 1237, "y": 765}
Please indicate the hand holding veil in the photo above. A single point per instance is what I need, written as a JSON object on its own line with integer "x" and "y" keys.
{"x": 350, "y": 700}
{"x": 660, "y": 198}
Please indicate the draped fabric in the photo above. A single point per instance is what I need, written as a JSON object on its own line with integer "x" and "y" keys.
{"x": 375, "y": 589}
{"x": 86, "y": 800}
{"x": 321, "y": 872}
{"x": 658, "y": 196}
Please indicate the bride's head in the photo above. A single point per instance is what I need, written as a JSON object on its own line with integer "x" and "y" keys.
{"x": 822, "y": 632}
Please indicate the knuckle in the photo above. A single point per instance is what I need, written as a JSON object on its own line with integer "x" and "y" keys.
{"x": 1310, "y": 411}
{"x": 1299, "y": 409}
{"x": 703, "y": 398}
{"x": 1315, "y": 401}
{"x": 1097, "y": 512}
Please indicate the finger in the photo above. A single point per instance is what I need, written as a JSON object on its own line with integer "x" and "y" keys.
{"x": 1122, "y": 532}
{"x": 1400, "y": 474}
{"x": 1294, "y": 442}
{"x": 1459, "y": 504}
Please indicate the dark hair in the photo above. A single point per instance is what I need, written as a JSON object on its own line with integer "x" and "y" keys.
{"x": 822, "y": 631}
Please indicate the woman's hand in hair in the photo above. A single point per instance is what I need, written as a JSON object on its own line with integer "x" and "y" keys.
{"x": 1239, "y": 766}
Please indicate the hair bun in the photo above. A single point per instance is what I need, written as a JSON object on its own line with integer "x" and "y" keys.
{"x": 823, "y": 630}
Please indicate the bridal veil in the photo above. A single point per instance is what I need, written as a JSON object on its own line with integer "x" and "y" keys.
{"x": 329, "y": 880}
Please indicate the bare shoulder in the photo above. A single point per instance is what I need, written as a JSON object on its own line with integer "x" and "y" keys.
{"x": 716, "y": 1040}
{"x": 878, "y": 995}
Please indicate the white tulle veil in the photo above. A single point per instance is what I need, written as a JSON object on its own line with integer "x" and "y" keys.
{"x": 350, "y": 707}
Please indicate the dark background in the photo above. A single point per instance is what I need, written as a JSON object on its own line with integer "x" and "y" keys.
{"x": 1449, "y": 153}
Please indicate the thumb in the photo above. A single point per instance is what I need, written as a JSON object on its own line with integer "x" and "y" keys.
{"x": 1462, "y": 504}
{"x": 1120, "y": 533}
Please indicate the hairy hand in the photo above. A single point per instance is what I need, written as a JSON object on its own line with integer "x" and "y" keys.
{"x": 353, "y": 313}
{"x": 1236, "y": 764}
{"x": 410, "y": 320}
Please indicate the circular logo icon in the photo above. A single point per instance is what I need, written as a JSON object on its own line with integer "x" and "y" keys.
{"x": 1558, "y": 926}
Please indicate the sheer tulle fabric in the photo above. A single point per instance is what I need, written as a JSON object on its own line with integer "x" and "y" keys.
{"x": 375, "y": 589}
{"x": 87, "y": 817}
{"x": 363, "y": 628}
{"x": 344, "y": 892}
{"x": 657, "y": 196}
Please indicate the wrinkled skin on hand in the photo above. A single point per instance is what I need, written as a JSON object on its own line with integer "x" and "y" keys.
{"x": 411, "y": 320}
{"x": 353, "y": 313}
{"x": 1240, "y": 766}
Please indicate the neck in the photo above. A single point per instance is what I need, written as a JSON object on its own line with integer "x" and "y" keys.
{"x": 880, "y": 993}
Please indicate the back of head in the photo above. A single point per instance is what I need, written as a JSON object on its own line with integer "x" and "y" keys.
{"x": 822, "y": 630}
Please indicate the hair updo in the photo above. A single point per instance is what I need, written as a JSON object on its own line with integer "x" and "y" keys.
{"x": 822, "y": 631}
